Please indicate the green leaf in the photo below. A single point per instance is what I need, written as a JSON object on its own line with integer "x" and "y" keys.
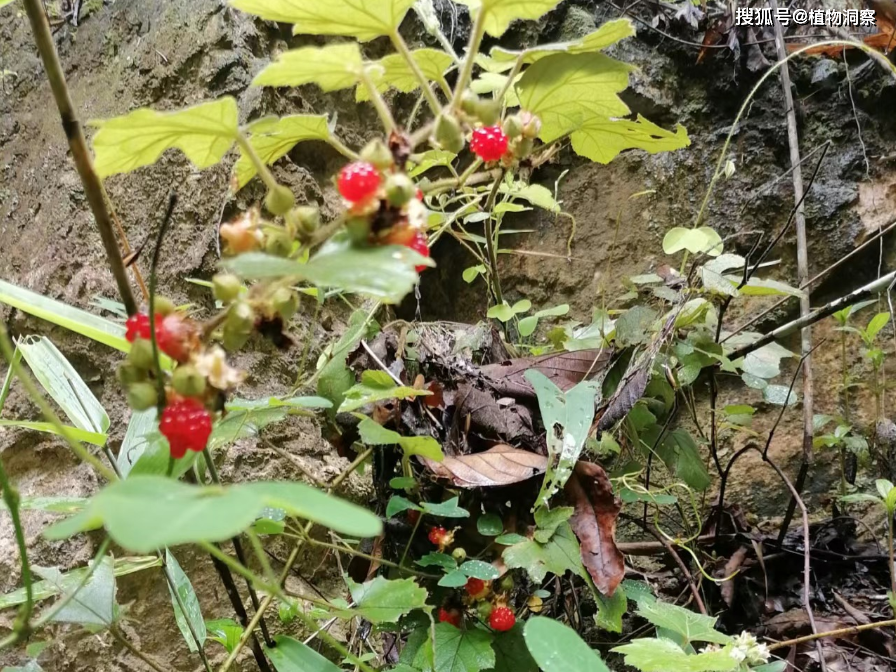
{"x": 372, "y": 433}
{"x": 395, "y": 72}
{"x": 511, "y": 653}
{"x": 274, "y": 141}
{"x": 610, "y": 610}
{"x": 442, "y": 560}
{"x": 527, "y": 325}
{"x": 536, "y": 194}
{"x": 489, "y": 525}
{"x": 153, "y": 461}
{"x": 377, "y": 386}
{"x": 558, "y": 555}
{"x": 509, "y": 539}
{"x": 568, "y": 90}
{"x": 499, "y": 14}
{"x": 94, "y": 604}
{"x": 432, "y": 158}
{"x": 761, "y": 287}
{"x": 291, "y": 655}
{"x": 693, "y": 627}
{"x": 49, "y": 428}
{"x": 694, "y": 241}
{"x": 608, "y": 34}
{"x": 765, "y": 362}
{"x": 453, "y": 579}
{"x": 557, "y": 647}
{"x": 501, "y": 312}
{"x": 384, "y": 601}
{"x": 203, "y": 133}
{"x": 664, "y": 655}
{"x": 243, "y": 424}
{"x": 188, "y": 597}
{"x": 383, "y": 272}
{"x": 150, "y": 512}
{"x": 446, "y": 509}
{"x": 632, "y": 327}
{"x": 681, "y": 455}
{"x": 70, "y": 580}
{"x": 335, "y": 378}
{"x": 548, "y": 520}
{"x": 398, "y": 504}
{"x": 61, "y": 504}
{"x": 74, "y": 319}
{"x": 138, "y": 437}
{"x": 225, "y": 631}
{"x": 780, "y": 395}
{"x": 567, "y": 420}
{"x": 479, "y": 570}
{"x": 361, "y": 20}
{"x": 59, "y": 378}
{"x": 331, "y": 67}
{"x": 877, "y": 323}
{"x": 601, "y": 140}
{"x": 458, "y": 650}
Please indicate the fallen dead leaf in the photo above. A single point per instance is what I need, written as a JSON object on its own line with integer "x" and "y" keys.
{"x": 500, "y": 465}
{"x": 733, "y": 564}
{"x": 594, "y": 523}
{"x": 564, "y": 369}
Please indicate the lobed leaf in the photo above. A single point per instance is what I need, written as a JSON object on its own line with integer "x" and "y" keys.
{"x": 274, "y": 141}
{"x": 394, "y": 72}
{"x": 291, "y": 655}
{"x": 499, "y": 14}
{"x": 558, "y": 648}
{"x": 331, "y": 67}
{"x": 664, "y": 655}
{"x": 384, "y": 601}
{"x": 601, "y": 139}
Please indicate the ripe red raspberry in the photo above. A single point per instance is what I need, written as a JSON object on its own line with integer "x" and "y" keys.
{"x": 176, "y": 336}
{"x": 137, "y": 326}
{"x": 449, "y": 616}
{"x": 475, "y": 587}
{"x": 489, "y": 143}
{"x": 502, "y": 619}
{"x": 420, "y": 245}
{"x": 358, "y": 181}
{"x": 437, "y": 535}
{"x": 187, "y": 425}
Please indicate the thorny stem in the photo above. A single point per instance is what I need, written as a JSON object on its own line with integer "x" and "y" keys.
{"x": 466, "y": 72}
{"x": 378, "y": 103}
{"x": 120, "y": 638}
{"x": 11, "y": 497}
{"x": 402, "y": 47}
{"x": 490, "y": 242}
{"x": 80, "y": 153}
{"x": 7, "y": 351}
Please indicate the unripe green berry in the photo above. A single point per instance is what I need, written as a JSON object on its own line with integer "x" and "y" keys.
{"x": 512, "y": 126}
{"x": 306, "y": 217}
{"x": 142, "y": 396}
{"x": 233, "y": 339}
{"x": 506, "y": 583}
{"x": 459, "y": 554}
{"x": 240, "y": 317}
{"x": 358, "y": 229}
{"x": 226, "y": 287}
{"x": 278, "y": 243}
{"x": 128, "y": 374}
{"x": 523, "y": 147}
{"x": 187, "y": 381}
{"x": 140, "y": 355}
{"x": 448, "y": 133}
{"x": 400, "y": 189}
{"x": 488, "y": 112}
{"x": 285, "y": 303}
{"x": 164, "y": 306}
{"x": 279, "y": 200}
{"x": 377, "y": 153}
{"x": 469, "y": 102}
{"x": 484, "y": 609}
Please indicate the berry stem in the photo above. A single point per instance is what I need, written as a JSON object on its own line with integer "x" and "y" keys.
{"x": 466, "y": 72}
{"x": 260, "y": 166}
{"x": 490, "y": 242}
{"x": 381, "y": 108}
{"x": 402, "y": 47}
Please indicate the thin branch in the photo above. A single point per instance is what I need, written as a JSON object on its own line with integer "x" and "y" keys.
{"x": 490, "y": 243}
{"x": 93, "y": 188}
{"x": 11, "y": 497}
{"x": 852, "y": 630}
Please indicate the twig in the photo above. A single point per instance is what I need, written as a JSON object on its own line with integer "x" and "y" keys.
{"x": 851, "y": 630}
{"x": 11, "y": 497}
{"x": 120, "y": 638}
{"x": 802, "y": 263}
{"x": 78, "y": 146}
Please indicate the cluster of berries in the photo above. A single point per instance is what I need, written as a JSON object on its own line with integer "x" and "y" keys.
{"x": 201, "y": 375}
{"x": 250, "y": 232}
{"x": 491, "y": 141}
{"x": 384, "y": 206}
{"x": 500, "y": 617}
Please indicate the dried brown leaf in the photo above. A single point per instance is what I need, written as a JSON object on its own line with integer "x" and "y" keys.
{"x": 500, "y": 465}
{"x": 594, "y": 523}
{"x": 733, "y": 564}
{"x": 630, "y": 390}
{"x": 564, "y": 369}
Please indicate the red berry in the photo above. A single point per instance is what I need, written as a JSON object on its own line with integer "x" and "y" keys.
{"x": 449, "y": 616}
{"x": 489, "y": 143}
{"x": 176, "y": 336}
{"x": 358, "y": 181}
{"x": 419, "y": 194}
{"x": 420, "y": 245}
{"x": 187, "y": 425}
{"x": 137, "y": 326}
{"x": 502, "y": 619}
{"x": 475, "y": 587}
{"x": 437, "y": 535}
